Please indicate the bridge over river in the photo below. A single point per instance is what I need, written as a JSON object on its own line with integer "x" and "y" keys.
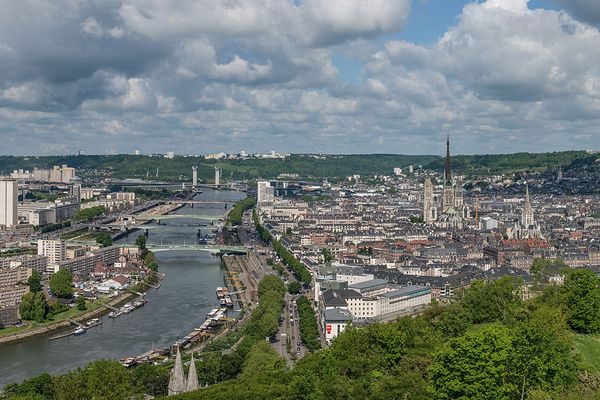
{"x": 212, "y": 248}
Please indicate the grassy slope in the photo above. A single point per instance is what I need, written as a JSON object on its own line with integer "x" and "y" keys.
{"x": 589, "y": 348}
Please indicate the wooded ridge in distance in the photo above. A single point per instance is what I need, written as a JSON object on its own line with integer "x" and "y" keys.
{"x": 306, "y": 166}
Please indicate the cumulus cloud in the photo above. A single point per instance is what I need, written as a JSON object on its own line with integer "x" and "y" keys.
{"x": 222, "y": 75}
{"x": 335, "y": 21}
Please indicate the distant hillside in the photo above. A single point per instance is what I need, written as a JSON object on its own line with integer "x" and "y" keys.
{"x": 306, "y": 166}
{"x": 491, "y": 164}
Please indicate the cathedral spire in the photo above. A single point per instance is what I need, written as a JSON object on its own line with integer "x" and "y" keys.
{"x": 448, "y": 170}
{"x": 177, "y": 383}
{"x": 192, "y": 379}
{"x": 527, "y": 217}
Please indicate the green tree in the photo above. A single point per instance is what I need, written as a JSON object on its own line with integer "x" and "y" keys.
{"x": 107, "y": 380}
{"x": 475, "y": 366}
{"x": 489, "y": 301}
{"x": 309, "y": 331}
{"x": 38, "y": 387}
{"x": 140, "y": 242}
{"x": 90, "y": 213}
{"x": 81, "y": 303}
{"x": 33, "y": 306}
{"x": 452, "y": 320}
{"x": 150, "y": 379}
{"x": 104, "y": 239}
{"x": 35, "y": 282}
{"x": 327, "y": 256}
{"x": 542, "y": 356}
{"x": 294, "y": 287}
{"x": 582, "y": 294}
{"x": 60, "y": 284}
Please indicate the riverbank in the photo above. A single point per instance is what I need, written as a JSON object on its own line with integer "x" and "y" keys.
{"x": 54, "y": 326}
{"x": 186, "y": 294}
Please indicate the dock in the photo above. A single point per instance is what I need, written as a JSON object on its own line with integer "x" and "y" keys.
{"x": 90, "y": 324}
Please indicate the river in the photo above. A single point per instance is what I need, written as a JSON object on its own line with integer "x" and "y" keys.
{"x": 186, "y": 294}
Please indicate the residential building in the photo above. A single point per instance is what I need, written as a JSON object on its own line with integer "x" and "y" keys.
{"x": 9, "y": 194}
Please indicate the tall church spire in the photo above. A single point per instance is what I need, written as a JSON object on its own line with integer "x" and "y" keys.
{"x": 177, "y": 382}
{"x": 448, "y": 170}
{"x": 527, "y": 217}
{"x": 192, "y": 379}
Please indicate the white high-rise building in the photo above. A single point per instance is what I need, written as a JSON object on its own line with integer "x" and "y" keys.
{"x": 54, "y": 250}
{"x": 217, "y": 176}
{"x": 265, "y": 193}
{"x": 9, "y": 196}
{"x": 194, "y": 176}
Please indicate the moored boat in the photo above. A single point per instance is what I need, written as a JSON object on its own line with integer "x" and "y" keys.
{"x": 80, "y": 330}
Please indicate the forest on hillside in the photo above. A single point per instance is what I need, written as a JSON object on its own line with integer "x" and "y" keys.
{"x": 306, "y": 166}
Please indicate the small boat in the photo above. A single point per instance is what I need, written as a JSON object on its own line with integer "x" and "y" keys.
{"x": 80, "y": 330}
{"x": 112, "y": 314}
{"x": 212, "y": 313}
{"x": 128, "y": 362}
{"x": 93, "y": 322}
{"x": 139, "y": 303}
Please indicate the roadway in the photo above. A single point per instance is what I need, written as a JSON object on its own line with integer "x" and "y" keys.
{"x": 288, "y": 326}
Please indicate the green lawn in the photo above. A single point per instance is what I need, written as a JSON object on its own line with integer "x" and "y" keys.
{"x": 71, "y": 313}
{"x": 589, "y": 348}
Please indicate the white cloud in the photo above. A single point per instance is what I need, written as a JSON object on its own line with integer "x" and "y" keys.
{"x": 222, "y": 74}
{"x": 334, "y": 21}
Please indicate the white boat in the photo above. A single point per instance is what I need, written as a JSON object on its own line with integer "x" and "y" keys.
{"x": 80, "y": 330}
{"x": 212, "y": 313}
{"x": 112, "y": 314}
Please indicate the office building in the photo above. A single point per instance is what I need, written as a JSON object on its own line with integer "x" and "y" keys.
{"x": 265, "y": 193}
{"x": 194, "y": 176}
{"x": 9, "y": 195}
{"x": 217, "y": 176}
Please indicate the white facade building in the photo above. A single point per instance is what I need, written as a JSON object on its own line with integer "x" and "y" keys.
{"x": 54, "y": 250}
{"x": 9, "y": 195}
{"x": 265, "y": 193}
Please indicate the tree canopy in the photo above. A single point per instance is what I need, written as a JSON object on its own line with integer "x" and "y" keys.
{"x": 60, "y": 284}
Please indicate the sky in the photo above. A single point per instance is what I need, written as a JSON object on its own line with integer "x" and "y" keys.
{"x": 299, "y": 76}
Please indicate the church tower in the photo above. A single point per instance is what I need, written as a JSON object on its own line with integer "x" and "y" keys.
{"x": 527, "y": 217}
{"x": 428, "y": 201}
{"x": 448, "y": 199}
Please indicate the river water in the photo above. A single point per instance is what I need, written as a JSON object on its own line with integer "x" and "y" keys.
{"x": 186, "y": 294}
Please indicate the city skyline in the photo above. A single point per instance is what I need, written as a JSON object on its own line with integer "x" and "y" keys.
{"x": 385, "y": 76}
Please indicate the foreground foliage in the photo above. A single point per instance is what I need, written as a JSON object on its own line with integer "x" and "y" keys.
{"x": 489, "y": 344}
